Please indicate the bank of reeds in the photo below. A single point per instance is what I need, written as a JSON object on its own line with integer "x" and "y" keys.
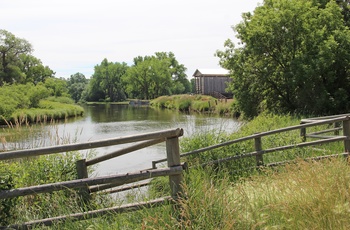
{"x": 196, "y": 103}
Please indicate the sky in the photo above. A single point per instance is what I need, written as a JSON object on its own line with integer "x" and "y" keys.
{"x": 73, "y": 36}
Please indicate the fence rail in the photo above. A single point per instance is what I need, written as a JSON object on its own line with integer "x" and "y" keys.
{"x": 259, "y": 152}
{"x": 88, "y": 185}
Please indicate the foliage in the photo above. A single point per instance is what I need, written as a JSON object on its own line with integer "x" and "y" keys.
{"x": 17, "y": 65}
{"x": 106, "y": 82}
{"x": 7, "y": 206}
{"x": 154, "y": 76}
{"x": 57, "y": 86}
{"x": 293, "y": 58}
{"x": 77, "y": 84}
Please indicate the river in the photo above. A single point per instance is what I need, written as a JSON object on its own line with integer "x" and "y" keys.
{"x": 109, "y": 121}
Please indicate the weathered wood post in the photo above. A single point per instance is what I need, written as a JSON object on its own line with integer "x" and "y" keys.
{"x": 303, "y": 133}
{"x": 346, "y": 132}
{"x": 83, "y": 173}
{"x": 258, "y": 148}
{"x": 175, "y": 181}
{"x": 173, "y": 157}
{"x": 336, "y": 126}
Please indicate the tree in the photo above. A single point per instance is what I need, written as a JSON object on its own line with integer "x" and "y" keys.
{"x": 33, "y": 69}
{"x": 106, "y": 83}
{"x": 148, "y": 79}
{"x": 77, "y": 83}
{"x": 294, "y": 57}
{"x": 157, "y": 75}
{"x": 17, "y": 65}
{"x": 11, "y": 48}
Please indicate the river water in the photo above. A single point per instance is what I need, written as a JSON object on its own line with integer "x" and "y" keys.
{"x": 109, "y": 121}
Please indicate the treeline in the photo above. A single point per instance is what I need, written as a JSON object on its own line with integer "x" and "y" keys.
{"x": 147, "y": 78}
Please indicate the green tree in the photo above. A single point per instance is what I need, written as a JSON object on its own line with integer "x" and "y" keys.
{"x": 294, "y": 57}
{"x": 178, "y": 72}
{"x": 33, "y": 69}
{"x": 106, "y": 83}
{"x": 157, "y": 75}
{"x": 11, "y": 48}
{"x": 77, "y": 83}
{"x": 149, "y": 78}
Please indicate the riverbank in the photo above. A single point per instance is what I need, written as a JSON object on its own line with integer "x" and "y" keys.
{"x": 196, "y": 103}
{"x": 47, "y": 110}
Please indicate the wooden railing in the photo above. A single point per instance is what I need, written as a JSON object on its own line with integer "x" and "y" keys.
{"x": 88, "y": 185}
{"x": 260, "y": 152}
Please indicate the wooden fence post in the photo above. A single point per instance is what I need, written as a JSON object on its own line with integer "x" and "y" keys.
{"x": 336, "y": 125}
{"x": 83, "y": 173}
{"x": 303, "y": 133}
{"x": 173, "y": 157}
{"x": 346, "y": 132}
{"x": 258, "y": 148}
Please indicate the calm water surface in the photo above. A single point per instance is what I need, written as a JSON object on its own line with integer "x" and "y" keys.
{"x": 109, "y": 121}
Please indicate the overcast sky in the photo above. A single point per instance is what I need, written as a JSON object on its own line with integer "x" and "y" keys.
{"x": 74, "y": 36}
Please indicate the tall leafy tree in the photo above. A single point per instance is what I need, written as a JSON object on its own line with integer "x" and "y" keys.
{"x": 294, "y": 57}
{"x": 77, "y": 83}
{"x": 17, "y": 65}
{"x": 148, "y": 78}
{"x": 157, "y": 75}
{"x": 106, "y": 83}
{"x": 33, "y": 69}
{"x": 11, "y": 48}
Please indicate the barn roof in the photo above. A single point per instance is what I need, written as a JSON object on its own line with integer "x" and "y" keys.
{"x": 210, "y": 72}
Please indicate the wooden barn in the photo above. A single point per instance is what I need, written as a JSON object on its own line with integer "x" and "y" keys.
{"x": 212, "y": 82}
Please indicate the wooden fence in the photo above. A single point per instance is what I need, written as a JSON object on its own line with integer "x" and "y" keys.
{"x": 88, "y": 185}
{"x": 305, "y": 123}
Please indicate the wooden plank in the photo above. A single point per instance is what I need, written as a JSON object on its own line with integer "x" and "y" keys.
{"x": 286, "y": 147}
{"x": 117, "y": 179}
{"x": 92, "y": 214}
{"x": 124, "y": 151}
{"x": 119, "y": 189}
{"x": 89, "y": 145}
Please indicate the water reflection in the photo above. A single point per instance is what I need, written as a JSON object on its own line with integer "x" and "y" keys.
{"x": 109, "y": 121}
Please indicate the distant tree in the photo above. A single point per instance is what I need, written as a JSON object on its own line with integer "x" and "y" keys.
{"x": 106, "y": 83}
{"x": 178, "y": 72}
{"x": 294, "y": 57}
{"x": 148, "y": 79}
{"x": 77, "y": 83}
{"x": 157, "y": 75}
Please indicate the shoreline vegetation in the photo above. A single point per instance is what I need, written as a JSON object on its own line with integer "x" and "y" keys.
{"x": 196, "y": 103}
